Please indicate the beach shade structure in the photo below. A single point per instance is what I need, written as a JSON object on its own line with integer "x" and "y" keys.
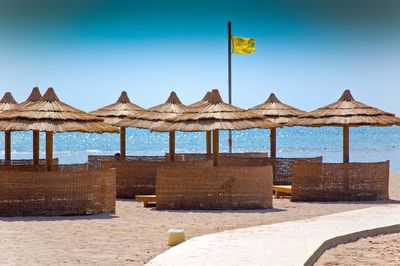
{"x": 346, "y": 112}
{"x": 152, "y": 117}
{"x": 208, "y": 133}
{"x": 33, "y": 97}
{"x": 214, "y": 116}
{"x": 279, "y": 113}
{"x": 6, "y": 103}
{"x": 51, "y": 115}
{"x": 114, "y": 113}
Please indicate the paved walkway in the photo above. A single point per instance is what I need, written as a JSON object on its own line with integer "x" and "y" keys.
{"x": 288, "y": 243}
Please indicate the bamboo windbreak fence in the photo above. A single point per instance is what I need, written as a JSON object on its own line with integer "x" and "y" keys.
{"x": 340, "y": 182}
{"x": 26, "y": 162}
{"x": 213, "y": 188}
{"x": 137, "y": 174}
{"x": 137, "y": 177}
{"x": 67, "y": 190}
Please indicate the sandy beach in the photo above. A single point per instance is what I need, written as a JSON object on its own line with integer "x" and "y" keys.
{"x": 379, "y": 250}
{"x": 135, "y": 234}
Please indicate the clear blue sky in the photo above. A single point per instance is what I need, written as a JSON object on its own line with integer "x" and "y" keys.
{"x": 308, "y": 52}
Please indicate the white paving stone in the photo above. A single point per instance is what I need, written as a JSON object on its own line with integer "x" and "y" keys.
{"x": 288, "y": 243}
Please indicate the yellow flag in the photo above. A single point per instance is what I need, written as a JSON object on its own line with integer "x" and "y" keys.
{"x": 243, "y": 45}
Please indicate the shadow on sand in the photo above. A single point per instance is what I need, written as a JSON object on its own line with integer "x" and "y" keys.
{"x": 102, "y": 216}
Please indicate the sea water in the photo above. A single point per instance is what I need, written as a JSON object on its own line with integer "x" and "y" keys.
{"x": 367, "y": 144}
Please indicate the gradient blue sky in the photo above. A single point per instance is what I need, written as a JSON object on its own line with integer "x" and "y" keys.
{"x": 308, "y": 52}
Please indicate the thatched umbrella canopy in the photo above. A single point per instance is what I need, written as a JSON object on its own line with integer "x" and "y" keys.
{"x": 114, "y": 113}
{"x": 279, "y": 113}
{"x": 6, "y": 103}
{"x": 204, "y": 101}
{"x": 33, "y": 97}
{"x": 215, "y": 115}
{"x": 156, "y": 115}
{"x": 346, "y": 112}
{"x": 51, "y": 115}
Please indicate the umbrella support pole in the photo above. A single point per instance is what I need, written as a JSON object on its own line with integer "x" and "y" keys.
{"x": 273, "y": 142}
{"x": 346, "y": 144}
{"x": 7, "y": 145}
{"x": 35, "y": 149}
{"x": 49, "y": 150}
{"x": 122, "y": 141}
{"x": 208, "y": 140}
{"x": 172, "y": 146}
{"x": 215, "y": 147}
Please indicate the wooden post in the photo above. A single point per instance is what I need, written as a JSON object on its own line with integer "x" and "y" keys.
{"x": 36, "y": 136}
{"x": 346, "y": 144}
{"x": 215, "y": 147}
{"x": 7, "y": 145}
{"x": 273, "y": 142}
{"x": 49, "y": 150}
{"x": 122, "y": 142}
{"x": 172, "y": 146}
{"x": 208, "y": 140}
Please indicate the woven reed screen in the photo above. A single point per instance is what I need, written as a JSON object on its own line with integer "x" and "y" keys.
{"x": 26, "y": 162}
{"x": 94, "y": 161}
{"x": 207, "y": 187}
{"x": 194, "y": 157}
{"x": 340, "y": 182}
{"x": 136, "y": 177}
{"x": 283, "y": 168}
{"x": 24, "y": 192}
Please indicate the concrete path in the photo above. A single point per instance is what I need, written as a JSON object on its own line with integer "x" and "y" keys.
{"x": 283, "y": 244}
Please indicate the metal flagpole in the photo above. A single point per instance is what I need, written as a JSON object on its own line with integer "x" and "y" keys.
{"x": 230, "y": 78}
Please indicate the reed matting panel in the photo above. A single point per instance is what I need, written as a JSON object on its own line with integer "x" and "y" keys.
{"x": 138, "y": 177}
{"x": 26, "y": 193}
{"x": 26, "y": 162}
{"x": 340, "y": 181}
{"x": 210, "y": 188}
{"x": 283, "y": 168}
{"x": 94, "y": 161}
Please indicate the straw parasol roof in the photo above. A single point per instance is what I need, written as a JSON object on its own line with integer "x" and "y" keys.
{"x": 50, "y": 114}
{"x": 215, "y": 114}
{"x": 114, "y": 113}
{"x": 7, "y": 102}
{"x": 346, "y": 112}
{"x": 276, "y": 111}
{"x": 33, "y": 97}
{"x": 205, "y": 99}
{"x": 158, "y": 114}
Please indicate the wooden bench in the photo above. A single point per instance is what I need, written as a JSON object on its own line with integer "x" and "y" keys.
{"x": 282, "y": 191}
{"x": 148, "y": 200}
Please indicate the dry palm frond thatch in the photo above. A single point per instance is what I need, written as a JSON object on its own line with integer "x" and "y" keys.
{"x": 7, "y": 102}
{"x": 205, "y": 99}
{"x": 276, "y": 111}
{"x": 215, "y": 114}
{"x": 346, "y": 112}
{"x": 158, "y": 114}
{"x": 33, "y": 97}
{"x": 114, "y": 113}
{"x": 50, "y": 114}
